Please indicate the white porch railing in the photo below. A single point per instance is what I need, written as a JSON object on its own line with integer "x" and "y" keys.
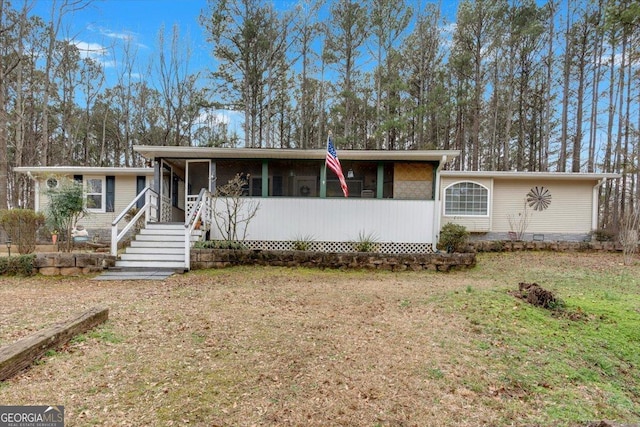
{"x": 165, "y": 210}
{"x": 191, "y": 202}
{"x": 199, "y": 212}
{"x": 149, "y": 210}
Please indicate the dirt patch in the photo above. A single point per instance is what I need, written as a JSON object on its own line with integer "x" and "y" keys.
{"x": 536, "y": 295}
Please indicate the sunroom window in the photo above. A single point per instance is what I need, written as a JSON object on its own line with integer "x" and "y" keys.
{"x": 466, "y": 199}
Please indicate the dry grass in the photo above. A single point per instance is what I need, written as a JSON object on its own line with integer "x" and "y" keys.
{"x": 271, "y": 346}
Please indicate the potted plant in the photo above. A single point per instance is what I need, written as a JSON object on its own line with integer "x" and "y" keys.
{"x": 54, "y": 236}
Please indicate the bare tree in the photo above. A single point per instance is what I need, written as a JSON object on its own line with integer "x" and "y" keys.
{"x": 232, "y": 212}
{"x": 628, "y": 234}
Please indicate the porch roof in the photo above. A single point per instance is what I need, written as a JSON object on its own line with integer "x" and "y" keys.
{"x": 82, "y": 170}
{"x": 152, "y": 152}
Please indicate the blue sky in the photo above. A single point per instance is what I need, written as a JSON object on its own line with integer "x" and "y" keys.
{"x": 103, "y": 24}
{"x": 104, "y": 27}
{"x": 107, "y": 23}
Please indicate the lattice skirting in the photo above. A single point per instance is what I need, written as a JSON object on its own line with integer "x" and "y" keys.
{"x": 387, "y": 248}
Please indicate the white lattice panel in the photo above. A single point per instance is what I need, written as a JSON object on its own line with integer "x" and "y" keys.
{"x": 387, "y": 248}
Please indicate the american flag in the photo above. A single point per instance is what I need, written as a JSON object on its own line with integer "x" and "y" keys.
{"x": 334, "y": 164}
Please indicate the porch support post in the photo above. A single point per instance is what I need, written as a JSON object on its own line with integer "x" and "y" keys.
{"x": 157, "y": 177}
{"x": 213, "y": 179}
{"x": 265, "y": 178}
{"x": 380, "y": 181}
{"x": 436, "y": 205}
{"x": 323, "y": 181}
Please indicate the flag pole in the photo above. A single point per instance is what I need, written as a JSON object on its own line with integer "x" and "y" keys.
{"x": 323, "y": 172}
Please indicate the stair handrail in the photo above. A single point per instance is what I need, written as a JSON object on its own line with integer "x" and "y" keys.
{"x": 151, "y": 201}
{"x": 190, "y": 223}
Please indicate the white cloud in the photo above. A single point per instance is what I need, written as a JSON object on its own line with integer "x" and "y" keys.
{"x": 90, "y": 50}
{"x": 212, "y": 117}
{"x": 126, "y": 36}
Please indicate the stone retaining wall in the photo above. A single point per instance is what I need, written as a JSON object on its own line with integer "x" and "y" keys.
{"x": 220, "y": 258}
{"x": 72, "y": 264}
{"x": 560, "y": 246}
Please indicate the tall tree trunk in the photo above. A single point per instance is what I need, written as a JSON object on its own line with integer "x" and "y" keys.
{"x": 577, "y": 141}
{"x": 619, "y": 193}
{"x": 595, "y": 95}
{"x": 566, "y": 77}
{"x": 549, "y": 62}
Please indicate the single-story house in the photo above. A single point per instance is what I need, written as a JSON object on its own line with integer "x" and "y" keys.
{"x": 399, "y": 199}
{"x": 522, "y": 205}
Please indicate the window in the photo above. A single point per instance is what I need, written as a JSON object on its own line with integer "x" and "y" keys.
{"x": 466, "y": 199}
{"x": 94, "y": 194}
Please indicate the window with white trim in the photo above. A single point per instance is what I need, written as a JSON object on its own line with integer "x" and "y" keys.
{"x": 466, "y": 199}
{"x": 94, "y": 194}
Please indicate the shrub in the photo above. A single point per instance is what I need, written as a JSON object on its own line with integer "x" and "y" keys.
{"x": 453, "y": 238}
{"x": 603, "y": 235}
{"x": 303, "y": 243}
{"x": 65, "y": 208}
{"x": 366, "y": 242}
{"x": 21, "y": 226}
{"x": 22, "y": 265}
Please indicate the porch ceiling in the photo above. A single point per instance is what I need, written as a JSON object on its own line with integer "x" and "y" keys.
{"x": 152, "y": 152}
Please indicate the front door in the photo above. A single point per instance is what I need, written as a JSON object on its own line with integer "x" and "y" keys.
{"x": 198, "y": 177}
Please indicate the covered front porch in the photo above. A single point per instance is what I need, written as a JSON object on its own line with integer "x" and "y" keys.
{"x": 287, "y": 196}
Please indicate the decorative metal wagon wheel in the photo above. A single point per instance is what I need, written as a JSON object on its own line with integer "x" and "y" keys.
{"x": 539, "y": 198}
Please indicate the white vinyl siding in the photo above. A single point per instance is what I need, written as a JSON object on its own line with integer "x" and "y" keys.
{"x": 570, "y": 210}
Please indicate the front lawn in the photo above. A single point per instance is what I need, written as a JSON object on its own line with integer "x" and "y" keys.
{"x": 277, "y": 346}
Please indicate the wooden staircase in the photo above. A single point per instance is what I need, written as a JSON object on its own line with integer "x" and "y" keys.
{"x": 158, "y": 246}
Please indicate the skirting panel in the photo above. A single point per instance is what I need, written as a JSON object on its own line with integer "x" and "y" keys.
{"x": 387, "y": 248}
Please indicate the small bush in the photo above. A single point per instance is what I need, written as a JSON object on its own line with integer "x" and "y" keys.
{"x": 366, "y": 242}
{"x": 453, "y": 238}
{"x": 21, "y": 226}
{"x": 603, "y": 235}
{"x": 219, "y": 244}
{"x": 303, "y": 243}
{"x": 22, "y": 265}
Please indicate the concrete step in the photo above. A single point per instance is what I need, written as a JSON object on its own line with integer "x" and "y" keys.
{"x": 152, "y": 257}
{"x": 116, "y": 273}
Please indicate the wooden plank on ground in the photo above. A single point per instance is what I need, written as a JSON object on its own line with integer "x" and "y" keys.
{"x": 21, "y": 354}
